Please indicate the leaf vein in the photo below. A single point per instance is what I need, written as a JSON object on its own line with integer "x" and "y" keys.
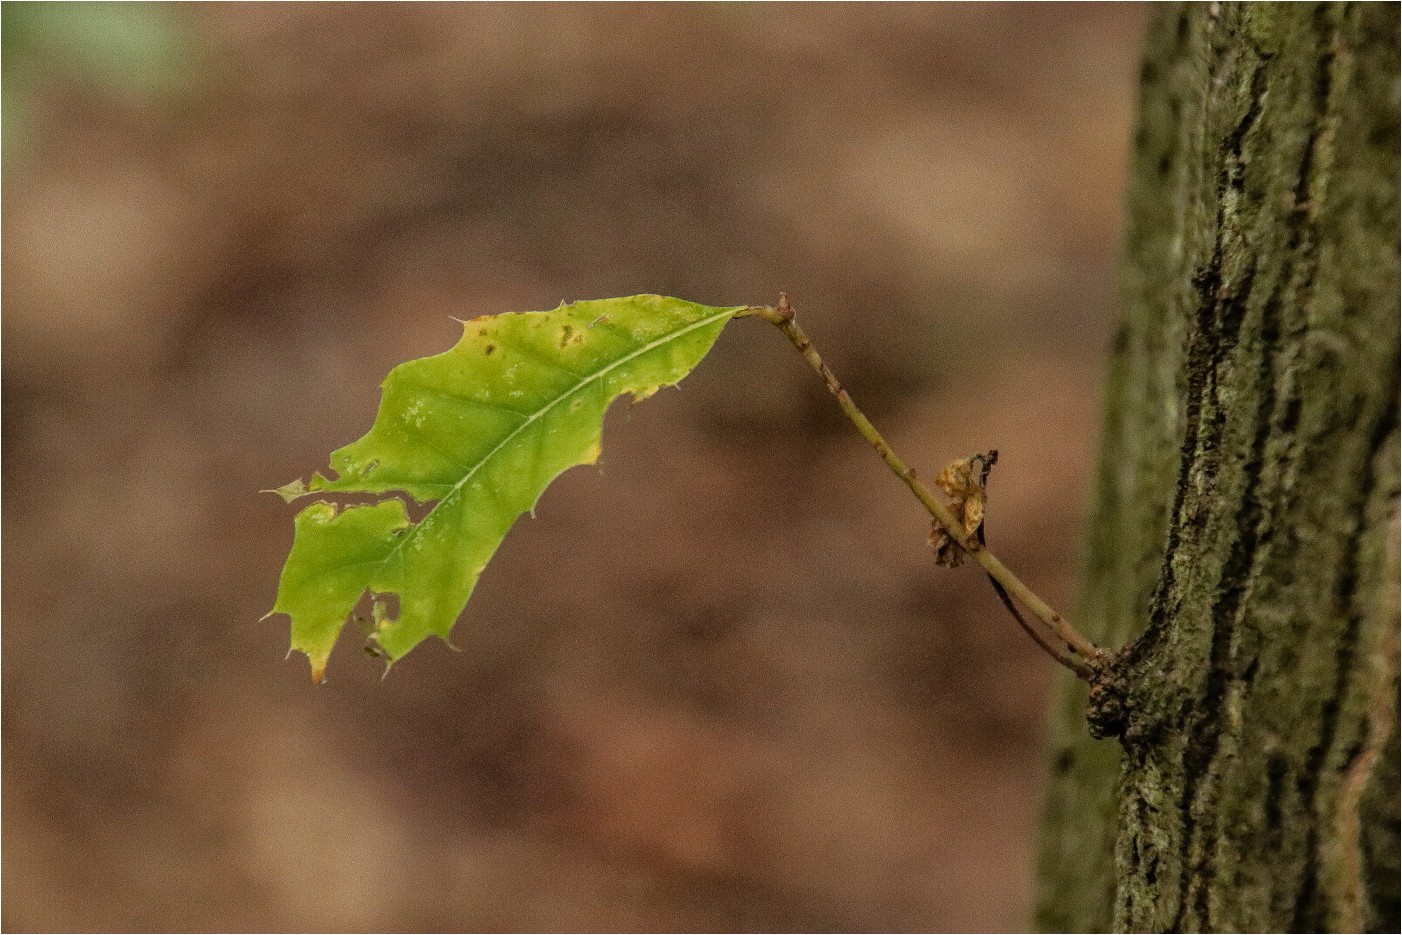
{"x": 585, "y": 381}
{"x": 525, "y": 350}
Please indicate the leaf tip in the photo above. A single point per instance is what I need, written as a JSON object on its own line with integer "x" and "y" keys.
{"x": 289, "y": 492}
{"x": 317, "y": 659}
{"x": 318, "y": 663}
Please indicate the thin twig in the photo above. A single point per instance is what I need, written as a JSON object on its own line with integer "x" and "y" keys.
{"x": 1010, "y": 587}
{"x": 1064, "y": 654}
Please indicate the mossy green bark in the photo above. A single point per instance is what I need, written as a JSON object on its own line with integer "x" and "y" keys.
{"x": 1243, "y": 542}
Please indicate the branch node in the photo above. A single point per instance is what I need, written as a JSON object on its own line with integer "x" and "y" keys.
{"x": 783, "y": 310}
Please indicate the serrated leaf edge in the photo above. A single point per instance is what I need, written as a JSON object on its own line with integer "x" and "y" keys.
{"x": 413, "y": 528}
{"x": 297, "y": 489}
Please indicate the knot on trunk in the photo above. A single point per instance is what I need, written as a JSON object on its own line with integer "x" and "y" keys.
{"x": 1107, "y": 706}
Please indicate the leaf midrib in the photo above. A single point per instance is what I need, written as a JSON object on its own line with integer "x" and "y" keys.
{"x": 414, "y": 528}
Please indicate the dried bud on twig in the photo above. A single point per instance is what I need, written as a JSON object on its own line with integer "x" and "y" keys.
{"x": 963, "y": 482}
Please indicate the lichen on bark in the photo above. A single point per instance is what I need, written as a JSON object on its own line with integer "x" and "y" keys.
{"x": 1242, "y": 541}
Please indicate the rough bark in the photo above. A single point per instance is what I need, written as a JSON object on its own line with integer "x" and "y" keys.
{"x": 1243, "y": 543}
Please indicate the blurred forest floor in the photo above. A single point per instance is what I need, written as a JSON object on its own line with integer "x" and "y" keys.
{"x": 718, "y": 685}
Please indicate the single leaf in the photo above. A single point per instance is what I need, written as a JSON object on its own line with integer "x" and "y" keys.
{"x": 479, "y": 432}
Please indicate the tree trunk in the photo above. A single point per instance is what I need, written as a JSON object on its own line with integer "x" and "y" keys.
{"x": 1245, "y": 528}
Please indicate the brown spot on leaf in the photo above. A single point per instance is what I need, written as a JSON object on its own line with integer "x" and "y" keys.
{"x": 489, "y": 349}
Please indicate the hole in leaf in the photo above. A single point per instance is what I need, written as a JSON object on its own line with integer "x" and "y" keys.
{"x": 384, "y": 609}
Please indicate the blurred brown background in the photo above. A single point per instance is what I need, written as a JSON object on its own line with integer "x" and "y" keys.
{"x": 719, "y": 684}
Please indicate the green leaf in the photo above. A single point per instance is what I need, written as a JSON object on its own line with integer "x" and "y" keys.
{"x": 479, "y": 432}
